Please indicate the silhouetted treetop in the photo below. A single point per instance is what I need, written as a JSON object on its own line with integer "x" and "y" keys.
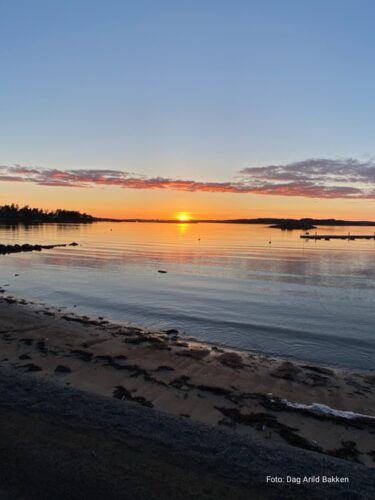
{"x": 13, "y": 213}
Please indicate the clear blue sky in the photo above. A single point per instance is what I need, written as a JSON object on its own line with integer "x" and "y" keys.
{"x": 196, "y": 89}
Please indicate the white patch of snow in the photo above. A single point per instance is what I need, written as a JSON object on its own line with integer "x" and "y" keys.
{"x": 326, "y": 410}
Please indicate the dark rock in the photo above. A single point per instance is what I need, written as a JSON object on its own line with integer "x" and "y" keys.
{"x": 136, "y": 340}
{"x": 348, "y": 451}
{"x": 62, "y": 369}
{"x": 83, "y": 355}
{"x": 164, "y": 368}
{"x": 30, "y": 367}
{"x": 319, "y": 369}
{"x": 7, "y": 249}
{"x": 181, "y": 383}
{"x": 265, "y": 420}
{"x": 122, "y": 393}
{"x": 230, "y": 359}
{"x": 315, "y": 380}
{"x": 41, "y": 346}
{"x": 27, "y": 341}
{"x": 370, "y": 379}
{"x": 287, "y": 371}
{"x": 218, "y": 391}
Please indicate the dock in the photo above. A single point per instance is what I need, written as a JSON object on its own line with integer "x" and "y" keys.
{"x": 328, "y": 237}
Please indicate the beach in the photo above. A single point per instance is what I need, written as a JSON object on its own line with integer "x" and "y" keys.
{"x": 290, "y": 403}
{"x": 62, "y": 443}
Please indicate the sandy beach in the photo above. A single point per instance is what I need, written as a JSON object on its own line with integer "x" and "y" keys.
{"x": 57, "y": 442}
{"x": 328, "y": 410}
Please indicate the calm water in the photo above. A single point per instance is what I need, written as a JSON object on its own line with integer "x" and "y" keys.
{"x": 225, "y": 283}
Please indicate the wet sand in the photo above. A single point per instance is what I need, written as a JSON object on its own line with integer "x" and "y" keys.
{"x": 258, "y": 396}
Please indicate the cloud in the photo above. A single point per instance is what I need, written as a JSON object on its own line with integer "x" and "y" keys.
{"x": 319, "y": 170}
{"x": 312, "y": 178}
{"x": 316, "y": 178}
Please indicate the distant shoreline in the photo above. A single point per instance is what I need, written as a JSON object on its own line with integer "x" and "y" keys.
{"x": 14, "y": 214}
{"x": 301, "y": 224}
{"x": 271, "y": 220}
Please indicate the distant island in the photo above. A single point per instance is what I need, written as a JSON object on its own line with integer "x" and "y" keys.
{"x": 13, "y": 214}
{"x": 290, "y": 224}
{"x": 304, "y": 224}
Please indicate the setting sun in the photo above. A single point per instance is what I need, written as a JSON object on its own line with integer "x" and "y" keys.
{"x": 183, "y": 217}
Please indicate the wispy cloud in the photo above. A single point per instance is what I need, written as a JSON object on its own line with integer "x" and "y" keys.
{"x": 312, "y": 178}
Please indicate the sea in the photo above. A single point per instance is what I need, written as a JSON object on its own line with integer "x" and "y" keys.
{"x": 242, "y": 286}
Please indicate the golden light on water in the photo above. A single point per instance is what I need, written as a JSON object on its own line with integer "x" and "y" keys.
{"x": 182, "y": 227}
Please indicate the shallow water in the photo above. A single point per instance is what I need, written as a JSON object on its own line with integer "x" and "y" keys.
{"x": 244, "y": 286}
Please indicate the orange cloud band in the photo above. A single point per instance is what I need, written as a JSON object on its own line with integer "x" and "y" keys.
{"x": 314, "y": 178}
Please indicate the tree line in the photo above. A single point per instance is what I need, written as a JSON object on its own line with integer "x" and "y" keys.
{"x": 14, "y": 213}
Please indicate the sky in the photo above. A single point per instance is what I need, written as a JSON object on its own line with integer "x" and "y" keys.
{"x": 219, "y": 109}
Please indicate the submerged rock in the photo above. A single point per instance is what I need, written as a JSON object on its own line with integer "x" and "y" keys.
{"x": 7, "y": 249}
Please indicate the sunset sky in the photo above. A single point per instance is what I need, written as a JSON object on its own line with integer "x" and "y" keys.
{"x": 219, "y": 109}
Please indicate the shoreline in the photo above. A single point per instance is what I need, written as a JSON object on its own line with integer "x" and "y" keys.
{"x": 296, "y": 404}
{"x": 42, "y": 307}
{"x": 69, "y": 314}
{"x": 65, "y": 310}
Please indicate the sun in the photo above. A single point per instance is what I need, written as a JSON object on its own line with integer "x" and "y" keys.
{"x": 183, "y": 216}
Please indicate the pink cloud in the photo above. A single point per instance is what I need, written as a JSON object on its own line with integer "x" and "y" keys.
{"x": 313, "y": 178}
